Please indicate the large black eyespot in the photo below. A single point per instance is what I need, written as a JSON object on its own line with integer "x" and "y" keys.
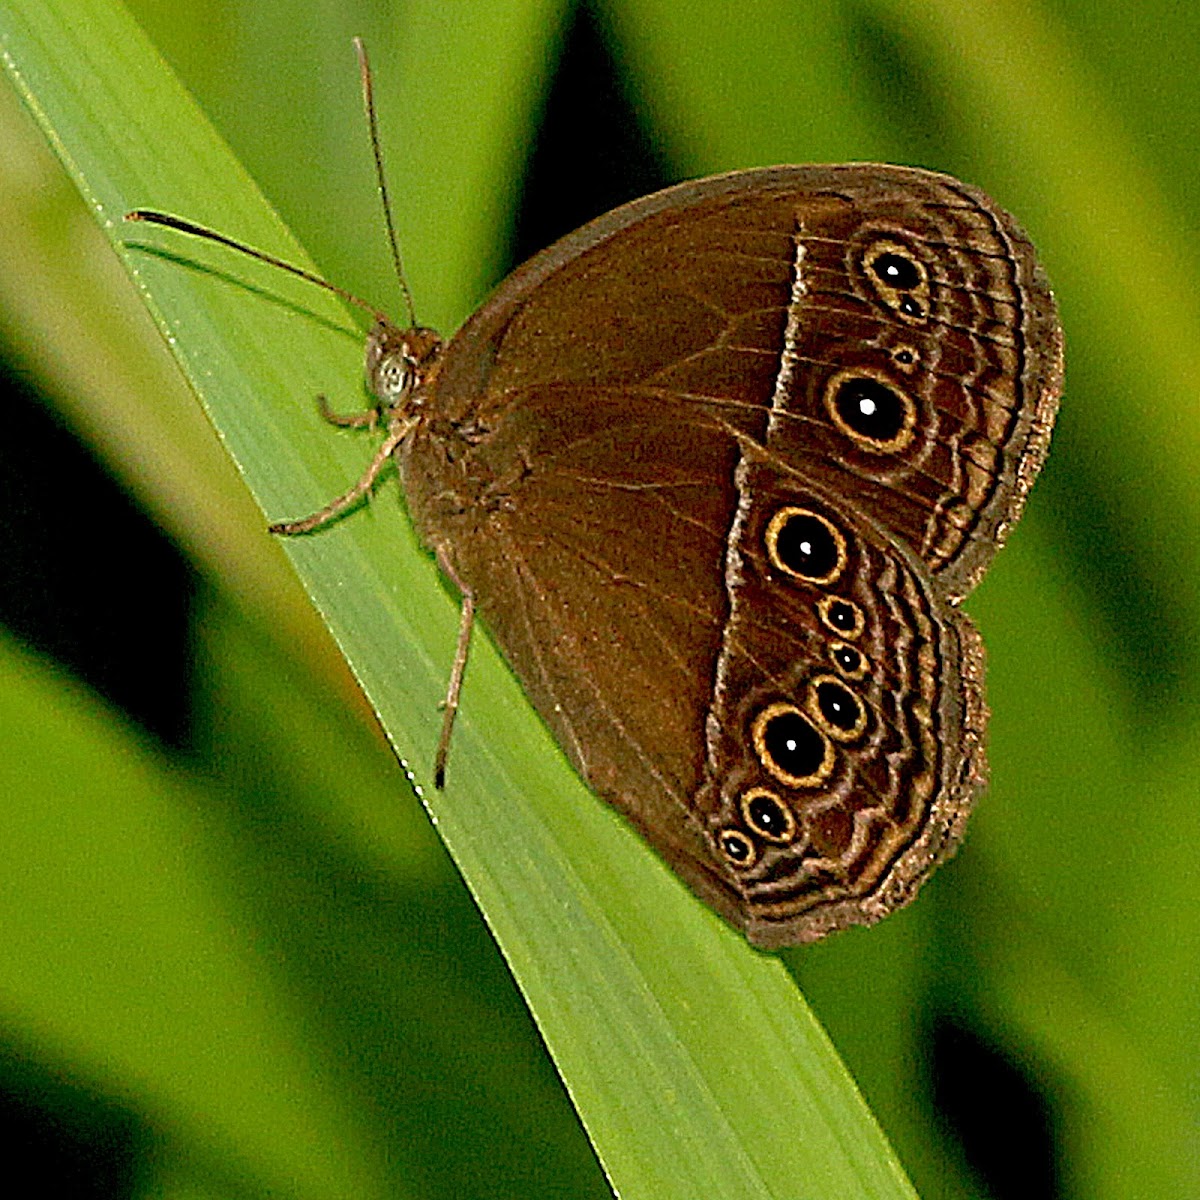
{"x": 873, "y": 412}
{"x": 842, "y": 616}
{"x": 768, "y": 816}
{"x": 836, "y": 708}
{"x": 791, "y": 747}
{"x": 848, "y": 659}
{"x": 896, "y": 271}
{"x": 737, "y": 847}
{"x": 806, "y": 545}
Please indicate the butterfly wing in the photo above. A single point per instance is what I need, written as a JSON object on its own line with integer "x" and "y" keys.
{"x": 575, "y": 543}
{"x": 914, "y": 353}
{"x": 922, "y": 360}
{"x": 845, "y": 737}
{"x": 603, "y": 453}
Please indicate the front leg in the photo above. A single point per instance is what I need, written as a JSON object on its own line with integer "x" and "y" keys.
{"x": 348, "y": 499}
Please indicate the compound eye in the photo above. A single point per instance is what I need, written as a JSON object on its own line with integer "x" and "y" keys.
{"x": 394, "y": 377}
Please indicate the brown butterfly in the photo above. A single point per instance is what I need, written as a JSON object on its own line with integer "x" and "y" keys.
{"x": 717, "y": 470}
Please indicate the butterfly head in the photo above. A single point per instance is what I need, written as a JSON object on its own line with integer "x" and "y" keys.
{"x": 400, "y": 364}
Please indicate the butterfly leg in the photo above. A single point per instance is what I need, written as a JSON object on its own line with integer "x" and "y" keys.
{"x": 454, "y": 688}
{"x": 359, "y": 420}
{"x": 348, "y": 499}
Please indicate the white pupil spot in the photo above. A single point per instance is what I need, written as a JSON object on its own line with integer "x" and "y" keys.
{"x": 806, "y": 548}
{"x": 867, "y": 406}
{"x": 792, "y": 745}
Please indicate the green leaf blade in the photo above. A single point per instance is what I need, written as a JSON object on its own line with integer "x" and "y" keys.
{"x": 652, "y": 1009}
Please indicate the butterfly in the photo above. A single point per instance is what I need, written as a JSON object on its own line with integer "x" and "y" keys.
{"x": 717, "y": 470}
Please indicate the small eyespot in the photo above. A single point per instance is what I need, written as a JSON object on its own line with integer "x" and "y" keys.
{"x": 806, "y": 545}
{"x": 899, "y": 279}
{"x": 871, "y": 411}
{"x": 848, "y": 659}
{"x": 791, "y": 747}
{"x": 737, "y": 847}
{"x": 905, "y": 357}
{"x": 842, "y": 616}
{"x": 768, "y": 816}
{"x": 836, "y": 709}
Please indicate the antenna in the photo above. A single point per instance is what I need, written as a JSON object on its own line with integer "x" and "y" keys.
{"x": 364, "y": 68}
{"x": 153, "y": 217}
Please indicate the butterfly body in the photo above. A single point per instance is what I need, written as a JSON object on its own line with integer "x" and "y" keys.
{"x": 717, "y": 470}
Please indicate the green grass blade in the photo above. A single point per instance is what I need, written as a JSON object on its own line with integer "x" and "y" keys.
{"x": 693, "y": 1061}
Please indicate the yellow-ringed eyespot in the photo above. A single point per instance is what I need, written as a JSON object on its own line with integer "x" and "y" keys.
{"x": 870, "y": 409}
{"x": 790, "y": 746}
{"x": 805, "y": 544}
{"x": 836, "y": 709}
{"x": 768, "y": 816}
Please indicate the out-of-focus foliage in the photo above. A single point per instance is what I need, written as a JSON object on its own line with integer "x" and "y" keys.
{"x": 1037, "y": 1011}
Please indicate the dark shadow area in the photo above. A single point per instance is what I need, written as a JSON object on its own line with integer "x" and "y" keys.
{"x": 991, "y": 1104}
{"x": 593, "y": 149}
{"x": 892, "y": 73}
{"x": 86, "y": 577}
{"x": 63, "y": 1138}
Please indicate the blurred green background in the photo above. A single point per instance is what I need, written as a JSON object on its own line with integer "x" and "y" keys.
{"x": 180, "y": 738}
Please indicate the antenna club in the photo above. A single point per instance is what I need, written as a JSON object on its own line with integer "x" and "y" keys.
{"x": 152, "y": 217}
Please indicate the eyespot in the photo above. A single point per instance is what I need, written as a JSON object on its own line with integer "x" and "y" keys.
{"x": 836, "y": 709}
{"x": 896, "y": 270}
{"x": 842, "y": 616}
{"x": 791, "y": 747}
{"x": 899, "y": 278}
{"x": 768, "y": 816}
{"x": 848, "y": 659}
{"x": 806, "y": 545}
{"x": 871, "y": 410}
{"x": 738, "y": 848}
{"x": 906, "y": 357}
